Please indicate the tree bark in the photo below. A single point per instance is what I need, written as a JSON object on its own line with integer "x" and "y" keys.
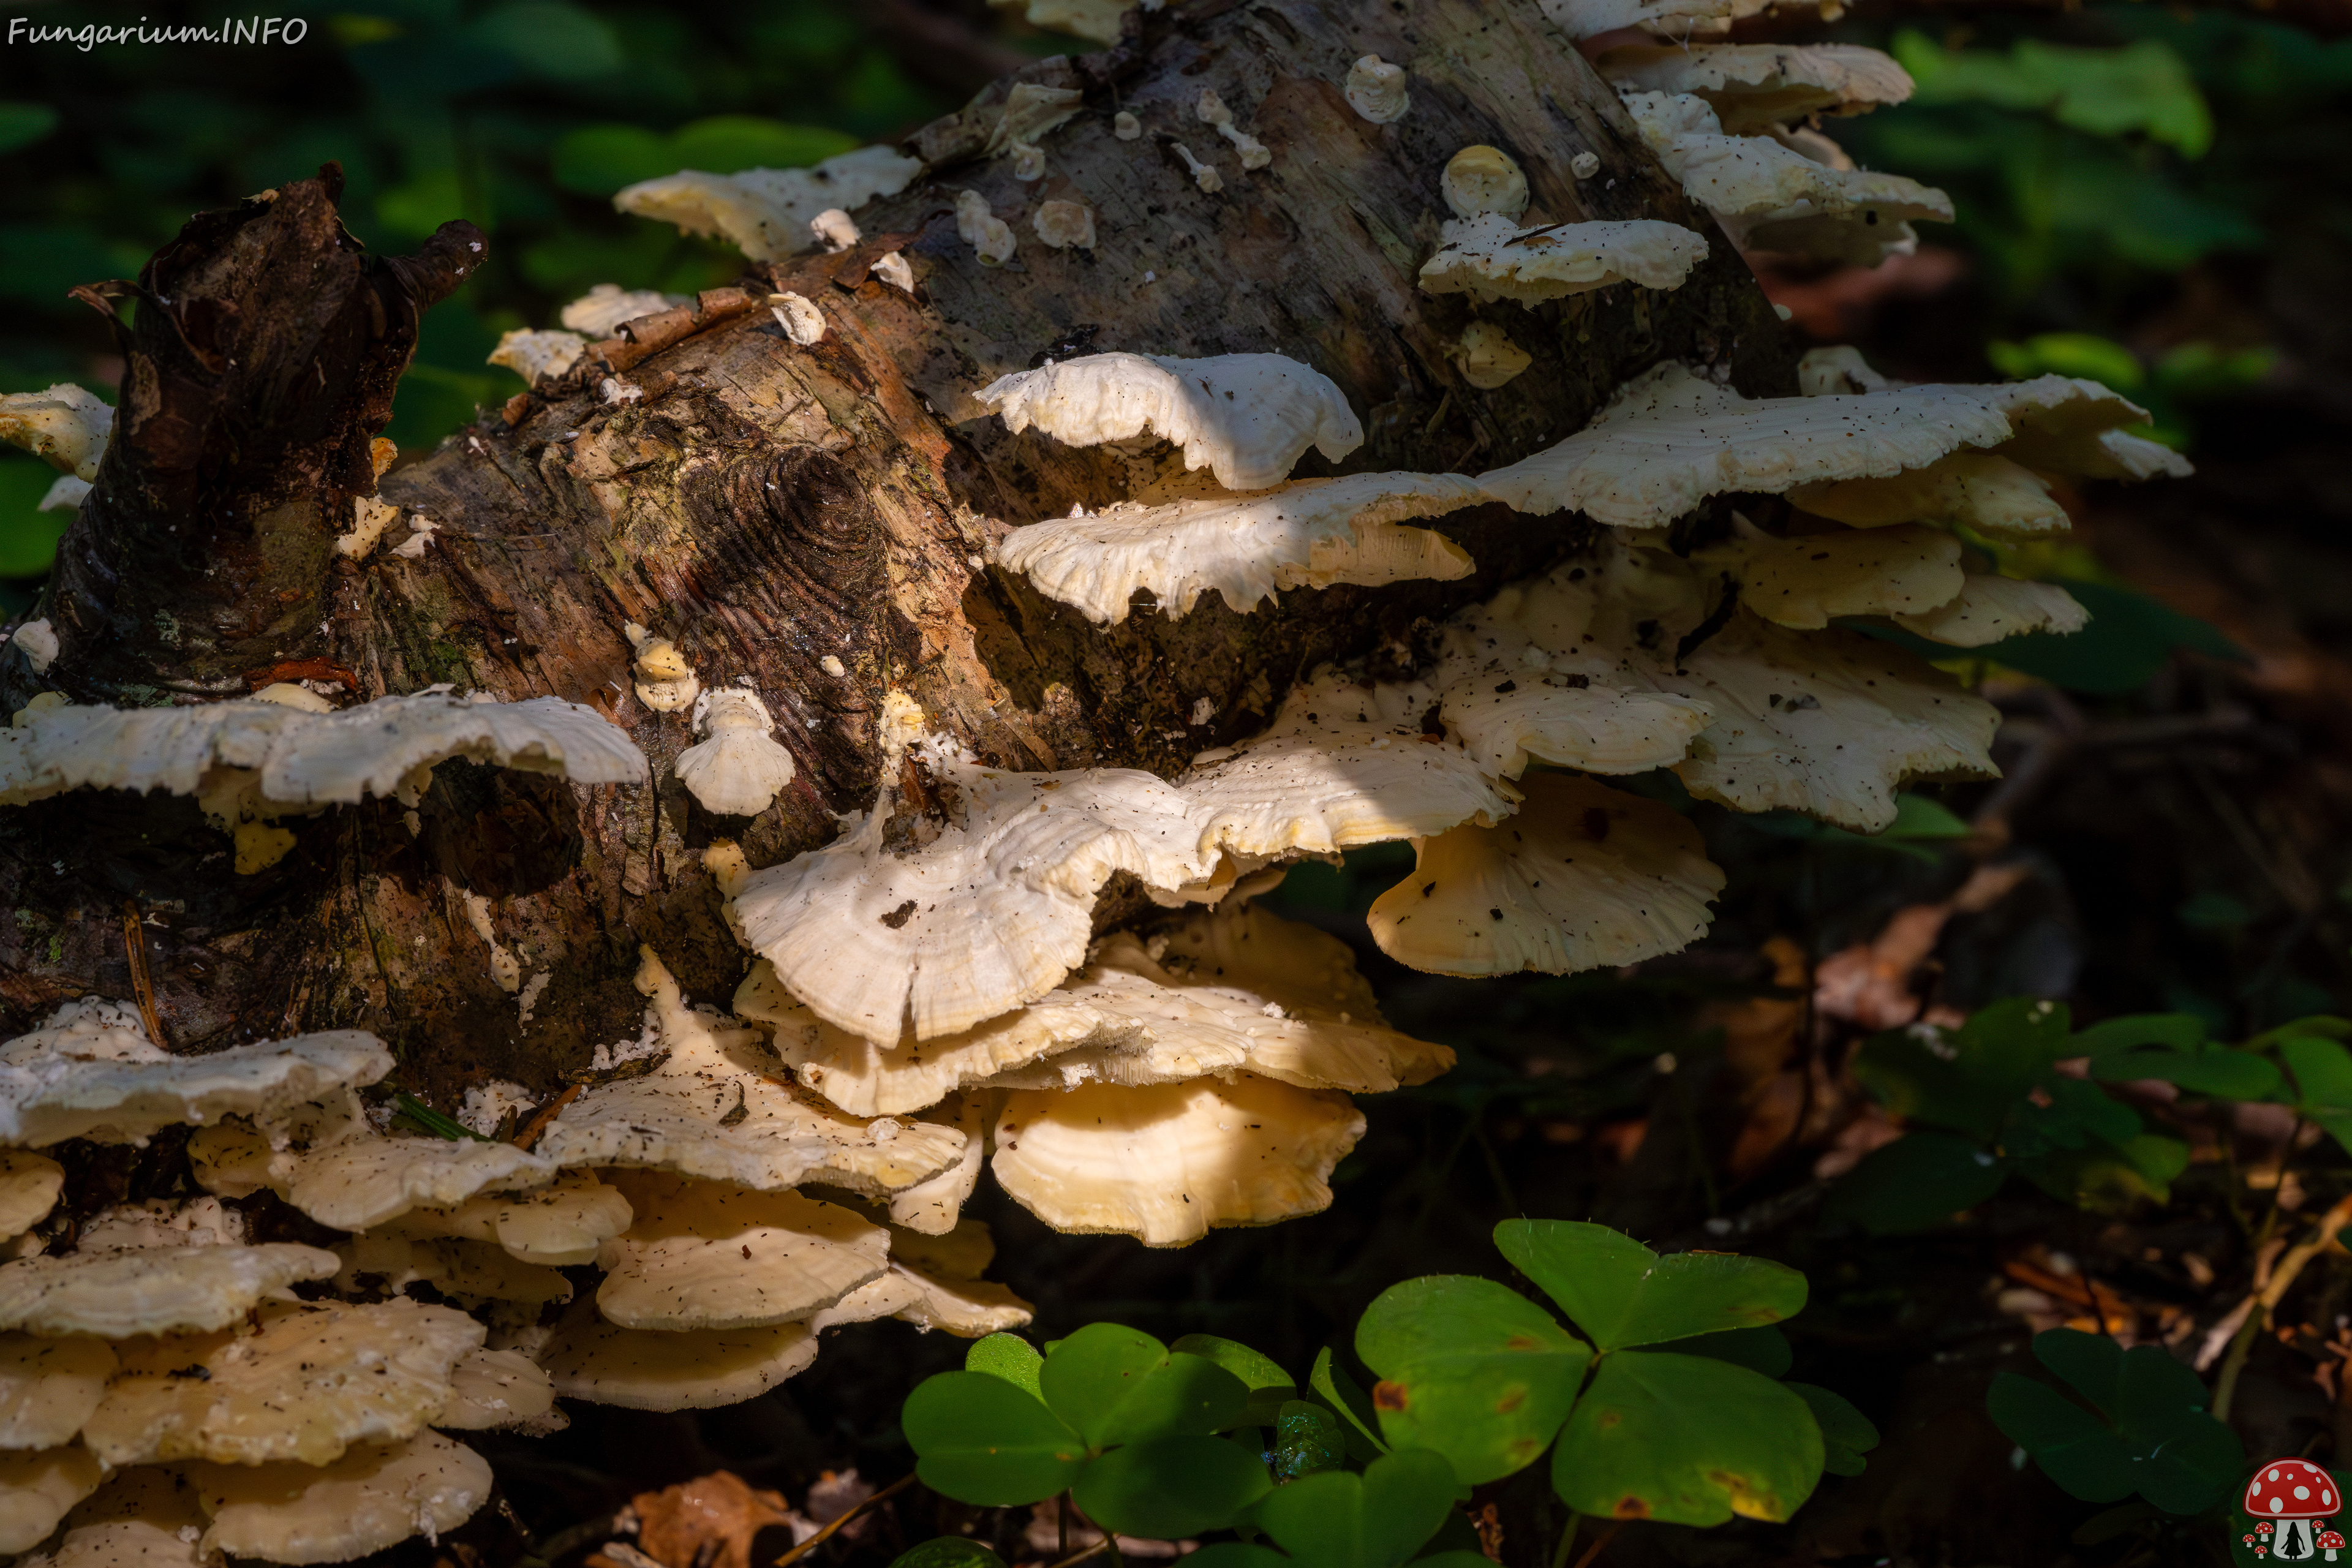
{"x": 769, "y": 508}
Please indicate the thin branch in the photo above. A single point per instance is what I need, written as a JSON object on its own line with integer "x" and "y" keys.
{"x": 2258, "y": 1314}
{"x": 1601, "y": 1545}
{"x": 819, "y": 1539}
{"x": 135, "y": 945}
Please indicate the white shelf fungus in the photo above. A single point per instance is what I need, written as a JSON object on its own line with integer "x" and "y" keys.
{"x": 38, "y": 1488}
{"x": 145, "y": 1518}
{"x": 363, "y": 1179}
{"x": 934, "y": 1206}
{"x": 489, "y": 1389}
{"x": 650, "y": 1369}
{"x": 1991, "y": 609}
{"x": 368, "y": 1500}
{"x": 599, "y": 313}
{"x": 740, "y": 768}
{"x": 301, "y": 760}
{"x": 1975, "y": 489}
{"x": 1167, "y": 1164}
{"x": 709, "y": 1255}
{"x": 989, "y": 236}
{"x": 766, "y": 213}
{"x": 942, "y": 1273}
{"x": 1245, "y": 417}
{"x": 1676, "y": 21}
{"x": 1376, "y": 90}
{"x": 556, "y": 1227}
{"x": 1582, "y": 876}
{"x": 534, "y": 356}
{"x": 29, "y": 1185}
{"x": 1480, "y": 180}
{"x": 992, "y": 908}
{"x": 1753, "y": 87}
{"x": 67, "y": 1080}
{"x": 1491, "y": 258}
{"x": 37, "y": 641}
{"x": 665, "y": 681}
{"x": 1062, "y": 224}
{"x": 1806, "y": 581}
{"x": 894, "y": 269}
{"x": 1095, "y": 19}
{"x": 1306, "y": 533}
{"x": 1343, "y": 764}
{"x": 834, "y": 229}
{"x": 48, "y": 1387}
{"x": 151, "y": 1290}
{"x": 1670, "y": 440}
{"x": 714, "y": 1110}
{"x": 1488, "y": 357}
{"x": 66, "y": 427}
{"x": 310, "y": 1382}
{"x": 803, "y": 323}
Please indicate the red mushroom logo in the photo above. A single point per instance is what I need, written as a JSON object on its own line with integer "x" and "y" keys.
{"x": 2292, "y": 1496}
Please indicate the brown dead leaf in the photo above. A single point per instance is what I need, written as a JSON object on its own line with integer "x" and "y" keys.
{"x": 709, "y": 1521}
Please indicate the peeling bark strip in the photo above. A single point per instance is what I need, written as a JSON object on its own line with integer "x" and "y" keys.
{"x": 809, "y": 524}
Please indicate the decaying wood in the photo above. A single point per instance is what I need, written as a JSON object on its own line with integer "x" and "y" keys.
{"x": 773, "y": 509}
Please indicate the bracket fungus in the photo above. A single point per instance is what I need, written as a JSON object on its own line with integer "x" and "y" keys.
{"x": 1483, "y": 180}
{"x": 38, "y": 1487}
{"x": 803, "y": 323}
{"x": 1063, "y": 225}
{"x": 48, "y": 1387}
{"x": 1376, "y": 90}
{"x": 65, "y": 426}
{"x": 989, "y": 236}
{"x": 1490, "y": 258}
{"x": 1582, "y": 876}
{"x": 1305, "y": 533}
{"x": 740, "y": 768}
{"x": 766, "y": 213}
{"x": 665, "y": 681}
{"x": 29, "y": 1185}
{"x": 834, "y": 229}
{"x": 1168, "y": 1163}
{"x": 535, "y": 357}
{"x": 653, "y": 1369}
{"x": 599, "y": 313}
{"x": 710, "y": 1255}
{"x": 1247, "y": 418}
{"x": 1754, "y": 87}
{"x": 1806, "y": 581}
{"x": 1488, "y": 357}
{"x": 368, "y": 1500}
{"x": 1990, "y": 608}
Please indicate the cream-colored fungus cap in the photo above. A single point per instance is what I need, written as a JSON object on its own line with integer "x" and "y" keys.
{"x": 49, "y": 1091}
{"x": 29, "y": 1185}
{"x": 37, "y": 1487}
{"x": 1344, "y": 762}
{"x": 534, "y": 356}
{"x": 1376, "y": 90}
{"x": 1492, "y": 257}
{"x": 710, "y": 1255}
{"x": 1674, "y": 20}
{"x": 1245, "y": 417}
{"x": 363, "y": 1502}
{"x": 1806, "y": 581}
{"x": 1753, "y": 87}
{"x": 1305, "y": 533}
{"x": 1481, "y": 180}
{"x": 1583, "y": 877}
{"x": 765, "y": 213}
{"x": 495, "y": 1388}
{"x": 65, "y": 426}
{"x": 933, "y": 1205}
{"x": 48, "y": 1387}
{"x": 1166, "y": 1163}
{"x": 713, "y": 1110}
{"x": 1981, "y": 490}
{"x": 948, "y": 1292}
{"x": 313, "y": 1381}
{"x": 599, "y": 313}
{"x": 152, "y": 1290}
{"x": 740, "y": 768}
{"x": 647, "y": 1369}
{"x": 980, "y": 912}
{"x": 146, "y": 1518}
{"x": 556, "y": 1227}
{"x": 1990, "y": 608}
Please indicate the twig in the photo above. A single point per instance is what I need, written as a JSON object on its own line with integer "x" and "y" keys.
{"x": 819, "y": 1539}
{"x": 2225, "y": 1387}
{"x": 530, "y": 1134}
{"x": 134, "y": 945}
{"x": 1076, "y": 1557}
{"x": 1601, "y": 1545}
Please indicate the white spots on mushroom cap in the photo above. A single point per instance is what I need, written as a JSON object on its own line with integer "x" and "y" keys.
{"x": 740, "y": 768}
{"x": 37, "y": 641}
{"x": 989, "y": 235}
{"x": 1479, "y": 180}
{"x": 535, "y": 356}
{"x": 1306, "y": 533}
{"x": 1491, "y": 257}
{"x": 766, "y": 213}
{"x": 1245, "y": 417}
{"x": 1376, "y": 90}
{"x": 803, "y": 323}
